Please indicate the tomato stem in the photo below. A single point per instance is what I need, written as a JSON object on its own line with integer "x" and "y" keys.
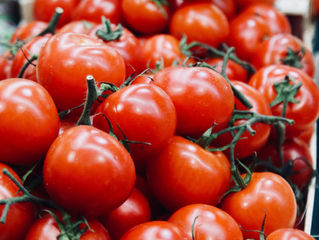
{"x": 294, "y": 58}
{"x": 160, "y": 4}
{"x": 26, "y": 65}
{"x": 107, "y": 34}
{"x": 52, "y": 25}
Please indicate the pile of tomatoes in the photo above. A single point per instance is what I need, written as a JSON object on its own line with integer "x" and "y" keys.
{"x": 155, "y": 119}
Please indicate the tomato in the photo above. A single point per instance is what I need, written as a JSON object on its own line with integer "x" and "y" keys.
{"x": 5, "y": 64}
{"x": 20, "y": 215}
{"x": 143, "y": 113}
{"x": 185, "y": 173}
{"x": 306, "y": 111}
{"x": 205, "y": 23}
{"x": 233, "y": 70}
{"x": 67, "y": 58}
{"x": 199, "y": 92}
{"x": 246, "y": 33}
{"x": 93, "y": 10}
{"x": 275, "y": 49}
{"x": 161, "y": 48}
{"x": 209, "y": 222}
{"x": 36, "y": 123}
{"x": 248, "y": 143}
{"x": 266, "y": 194}
{"x": 276, "y": 20}
{"x": 243, "y": 4}
{"x": 28, "y": 30}
{"x": 78, "y": 26}
{"x": 28, "y": 50}
{"x": 307, "y": 134}
{"x": 44, "y": 10}
{"x": 127, "y": 46}
{"x": 156, "y": 230}
{"x": 289, "y": 233}
{"x": 88, "y": 172}
{"x": 135, "y": 210}
{"x": 46, "y": 228}
{"x": 296, "y": 151}
{"x": 145, "y": 16}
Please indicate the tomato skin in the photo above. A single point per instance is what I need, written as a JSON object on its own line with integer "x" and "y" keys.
{"x": 46, "y": 228}
{"x": 78, "y": 26}
{"x": 93, "y": 10}
{"x": 28, "y": 30}
{"x": 67, "y": 58}
{"x": 303, "y": 113}
{"x": 274, "y": 50}
{"x": 20, "y": 215}
{"x": 135, "y": 210}
{"x": 5, "y": 64}
{"x": 205, "y": 23}
{"x": 210, "y": 222}
{"x": 243, "y": 4}
{"x": 35, "y": 118}
{"x": 98, "y": 170}
{"x": 155, "y": 230}
{"x": 144, "y": 113}
{"x": 265, "y": 194}
{"x": 184, "y": 173}
{"x": 145, "y": 16}
{"x": 289, "y": 233}
{"x": 214, "y": 98}
{"x": 44, "y": 10}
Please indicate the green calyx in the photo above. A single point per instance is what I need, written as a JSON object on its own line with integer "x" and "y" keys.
{"x": 294, "y": 58}
{"x": 107, "y": 34}
{"x": 160, "y": 4}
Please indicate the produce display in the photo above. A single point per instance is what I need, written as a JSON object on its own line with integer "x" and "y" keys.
{"x": 156, "y": 120}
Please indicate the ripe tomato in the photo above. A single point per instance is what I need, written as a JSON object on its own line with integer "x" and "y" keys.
{"x": 303, "y": 113}
{"x": 233, "y": 70}
{"x": 44, "y": 10}
{"x": 67, "y": 58}
{"x": 46, "y": 228}
{"x": 144, "y": 113}
{"x": 288, "y": 234}
{"x": 275, "y": 49}
{"x": 145, "y": 16}
{"x": 78, "y": 26}
{"x": 93, "y": 10}
{"x": 20, "y": 215}
{"x": 156, "y": 230}
{"x": 88, "y": 172}
{"x": 28, "y": 30}
{"x": 307, "y": 134}
{"x": 135, "y": 210}
{"x": 36, "y": 123}
{"x": 185, "y": 173}
{"x": 209, "y": 222}
{"x": 266, "y": 194}
{"x": 205, "y": 23}
{"x": 248, "y": 143}
{"x": 199, "y": 92}
{"x": 243, "y": 4}
{"x": 5, "y": 64}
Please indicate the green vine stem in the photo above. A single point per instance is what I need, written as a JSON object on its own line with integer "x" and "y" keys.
{"x": 52, "y": 25}
{"x": 26, "y": 65}
{"x": 160, "y": 4}
{"x": 294, "y": 58}
{"x": 107, "y": 34}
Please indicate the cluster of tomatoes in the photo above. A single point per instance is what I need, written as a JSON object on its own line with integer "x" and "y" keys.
{"x": 155, "y": 119}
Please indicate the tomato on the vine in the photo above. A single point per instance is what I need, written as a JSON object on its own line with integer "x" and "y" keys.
{"x": 288, "y": 234}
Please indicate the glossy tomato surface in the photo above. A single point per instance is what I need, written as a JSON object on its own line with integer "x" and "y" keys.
{"x": 288, "y": 234}
{"x": 28, "y": 30}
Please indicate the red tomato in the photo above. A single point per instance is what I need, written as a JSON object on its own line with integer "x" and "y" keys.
{"x": 199, "y": 92}
{"x": 274, "y": 51}
{"x": 43, "y": 10}
{"x": 205, "y": 23}
{"x": 248, "y": 143}
{"x": 294, "y": 150}
{"x": 28, "y": 50}
{"x": 36, "y": 123}
{"x": 93, "y": 10}
{"x": 185, "y": 173}
{"x": 20, "y": 215}
{"x": 243, "y": 4}
{"x": 304, "y": 113}
{"x": 156, "y": 230}
{"x": 276, "y": 20}
{"x": 307, "y": 134}
{"x": 135, "y": 210}
{"x": 233, "y": 70}
{"x": 246, "y": 33}
{"x": 28, "y": 30}
{"x": 127, "y": 46}
{"x": 78, "y": 26}
{"x": 144, "y": 113}
{"x": 267, "y": 193}
{"x": 88, "y": 172}
{"x": 209, "y": 223}
{"x": 67, "y": 58}
{"x": 289, "y": 234}
{"x": 145, "y": 16}
{"x": 46, "y": 228}
{"x": 5, "y": 64}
